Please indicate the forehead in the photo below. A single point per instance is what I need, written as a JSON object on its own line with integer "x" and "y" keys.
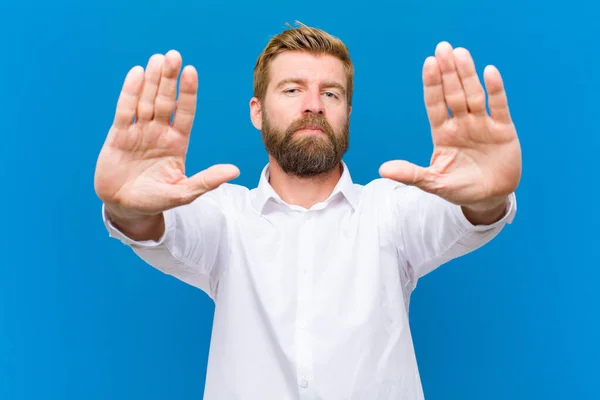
{"x": 307, "y": 66}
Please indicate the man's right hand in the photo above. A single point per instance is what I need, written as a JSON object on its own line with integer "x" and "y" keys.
{"x": 140, "y": 172}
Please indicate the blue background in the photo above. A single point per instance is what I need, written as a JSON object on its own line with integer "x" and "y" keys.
{"x": 82, "y": 318}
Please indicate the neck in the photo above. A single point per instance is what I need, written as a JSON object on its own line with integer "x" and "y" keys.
{"x": 303, "y": 192}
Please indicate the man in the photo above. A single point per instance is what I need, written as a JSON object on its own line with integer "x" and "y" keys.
{"x": 310, "y": 273}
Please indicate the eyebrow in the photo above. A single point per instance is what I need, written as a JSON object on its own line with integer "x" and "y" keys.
{"x": 300, "y": 81}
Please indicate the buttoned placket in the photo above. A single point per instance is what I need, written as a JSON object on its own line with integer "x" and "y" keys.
{"x": 304, "y": 306}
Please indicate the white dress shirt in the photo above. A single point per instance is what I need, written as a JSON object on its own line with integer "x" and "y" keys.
{"x": 312, "y": 304}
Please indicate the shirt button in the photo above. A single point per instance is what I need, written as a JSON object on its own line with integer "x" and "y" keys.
{"x": 304, "y": 383}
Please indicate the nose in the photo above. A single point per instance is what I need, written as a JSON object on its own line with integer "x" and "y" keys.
{"x": 313, "y": 103}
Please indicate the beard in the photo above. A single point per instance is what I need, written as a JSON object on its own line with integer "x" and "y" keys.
{"x": 306, "y": 156}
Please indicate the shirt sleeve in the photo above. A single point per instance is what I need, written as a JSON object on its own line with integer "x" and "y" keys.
{"x": 194, "y": 247}
{"x": 430, "y": 231}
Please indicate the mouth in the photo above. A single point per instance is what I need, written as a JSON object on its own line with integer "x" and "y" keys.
{"x": 311, "y": 130}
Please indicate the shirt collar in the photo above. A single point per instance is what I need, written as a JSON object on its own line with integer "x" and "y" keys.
{"x": 265, "y": 192}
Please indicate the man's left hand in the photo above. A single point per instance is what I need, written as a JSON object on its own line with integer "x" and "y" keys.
{"x": 476, "y": 162}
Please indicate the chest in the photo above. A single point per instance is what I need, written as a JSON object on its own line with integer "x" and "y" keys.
{"x": 335, "y": 265}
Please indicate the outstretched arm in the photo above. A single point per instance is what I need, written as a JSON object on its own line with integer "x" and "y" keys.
{"x": 172, "y": 220}
{"x": 465, "y": 196}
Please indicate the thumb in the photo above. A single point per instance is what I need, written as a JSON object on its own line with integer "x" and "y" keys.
{"x": 210, "y": 179}
{"x": 405, "y": 172}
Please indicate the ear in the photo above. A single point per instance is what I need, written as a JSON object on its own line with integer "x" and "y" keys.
{"x": 349, "y": 110}
{"x": 256, "y": 113}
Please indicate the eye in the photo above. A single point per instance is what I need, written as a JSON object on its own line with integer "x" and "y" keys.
{"x": 290, "y": 91}
{"x": 331, "y": 95}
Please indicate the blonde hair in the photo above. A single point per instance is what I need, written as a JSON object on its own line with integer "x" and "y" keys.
{"x": 302, "y": 38}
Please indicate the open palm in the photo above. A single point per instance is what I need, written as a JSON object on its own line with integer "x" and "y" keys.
{"x": 141, "y": 167}
{"x": 477, "y": 156}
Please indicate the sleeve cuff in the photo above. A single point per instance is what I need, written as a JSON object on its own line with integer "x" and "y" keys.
{"x": 114, "y": 232}
{"x": 509, "y": 215}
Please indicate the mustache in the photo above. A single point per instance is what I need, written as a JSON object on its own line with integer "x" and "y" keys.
{"x": 310, "y": 120}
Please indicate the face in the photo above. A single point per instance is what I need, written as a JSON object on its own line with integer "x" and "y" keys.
{"x": 304, "y": 117}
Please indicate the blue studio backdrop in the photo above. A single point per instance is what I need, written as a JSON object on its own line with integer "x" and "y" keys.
{"x": 81, "y": 317}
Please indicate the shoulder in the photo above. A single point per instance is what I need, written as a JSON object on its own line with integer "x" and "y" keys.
{"x": 383, "y": 184}
{"x": 391, "y": 196}
{"x": 380, "y": 188}
{"x": 227, "y": 192}
{"x": 226, "y": 197}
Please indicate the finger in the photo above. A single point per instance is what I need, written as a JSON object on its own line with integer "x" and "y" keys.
{"x": 129, "y": 97}
{"x": 497, "y": 99}
{"x": 474, "y": 93}
{"x": 453, "y": 90}
{"x": 437, "y": 110}
{"x": 405, "y": 172}
{"x": 164, "y": 104}
{"x": 209, "y": 179}
{"x": 145, "y": 109}
{"x": 186, "y": 103}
